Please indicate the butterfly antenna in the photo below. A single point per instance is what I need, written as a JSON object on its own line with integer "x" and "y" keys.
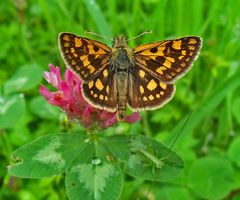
{"x": 96, "y": 34}
{"x": 144, "y": 33}
{"x": 169, "y": 150}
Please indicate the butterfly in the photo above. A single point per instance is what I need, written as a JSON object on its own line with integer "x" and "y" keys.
{"x": 141, "y": 78}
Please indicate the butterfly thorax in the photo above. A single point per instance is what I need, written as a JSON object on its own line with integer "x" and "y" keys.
{"x": 121, "y": 62}
{"x": 119, "y": 42}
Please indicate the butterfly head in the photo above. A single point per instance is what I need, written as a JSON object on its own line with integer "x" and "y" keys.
{"x": 120, "y": 42}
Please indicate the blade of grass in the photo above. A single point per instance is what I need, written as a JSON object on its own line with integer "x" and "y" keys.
{"x": 99, "y": 18}
{"x": 206, "y": 106}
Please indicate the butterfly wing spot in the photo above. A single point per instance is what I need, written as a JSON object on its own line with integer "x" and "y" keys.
{"x": 101, "y": 97}
{"x": 173, "y": 73}
{"x": 91, "y": 69}
{"x": 177, "y": 44}
{"x": 180, "y": 57}
{"x": 191, "y": 47}
{"x": 66, "y": 44}
{"x": 107, "y": 89}
{"x": 157, "y": 96}
{"x": 171, "y": 59}
{"x": 160, "y": 70}
{"x": 151, "y": 85}
{"x": 167, "y": 63}
{"x": 86, "y": 62}
{"x": 72, "y": 50}
{"x": 179, "y": 69}
{"x": 95, "y": 95}
{"x": 77, "y": 42}
{"x": 145, "y": 98}
{"x": 163, "y": 85}
{"x": 73, "y": 62}
{"x": 82, "y": 72}
{"x": 184, "y": 52}
{"x": 191, "y": 53}
{"x": 141, "y": 89}
{"x": 151, "y": 97}
{"x": 66, "y": 37}
{"x": 82, "y": 58}
{"x": 99, "y": 85}
{"x": 90, "y": 84}
{"x": 141, "y": 73}
{"x": 162, "y": 93}
{"x": 105, "y": 73}
{"x": 192, "y": 41}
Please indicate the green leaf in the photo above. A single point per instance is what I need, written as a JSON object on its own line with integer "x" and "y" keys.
{"x": 172, "y": 193}
{"x": 118, "y": 145}
{"x": 236, "y": 179}
{"x": 211, "y": 177}
{"x": 144, "y": 157}
{"x": 93, "y": 176}
{"x": 11, "y": 110}
{"x": 236, "y": 109}
{"x": 25, "y": 78}
{"x": 43, "y": 109}
{"x": 234, "y": 151}
{"x": 46, "y": 156}
{"x": 91, "y": 170}
{"x": 236, "y": 197}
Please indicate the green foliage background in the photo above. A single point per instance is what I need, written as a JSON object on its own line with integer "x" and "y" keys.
{"x": 210, "y": 142}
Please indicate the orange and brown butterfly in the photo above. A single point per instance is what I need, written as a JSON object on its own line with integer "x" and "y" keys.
{"x": 141, "y": 78}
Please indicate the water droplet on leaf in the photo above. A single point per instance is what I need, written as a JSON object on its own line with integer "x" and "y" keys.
{"x": 96, "y": 161}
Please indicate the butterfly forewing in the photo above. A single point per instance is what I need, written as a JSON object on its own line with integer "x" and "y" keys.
{"x": 168, "y": 60}
{"x": 84, "y": 56}
{"x": 147, "y": 92}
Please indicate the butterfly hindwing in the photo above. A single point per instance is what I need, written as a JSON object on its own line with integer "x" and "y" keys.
{"x": 147, "y": 92}
{"x": 168, "y": 60}
{"x": 84, "y": 56}
{"x": 101, "y": 90}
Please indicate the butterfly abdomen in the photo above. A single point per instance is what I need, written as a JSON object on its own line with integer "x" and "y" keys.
{"x": 121, "y": 78}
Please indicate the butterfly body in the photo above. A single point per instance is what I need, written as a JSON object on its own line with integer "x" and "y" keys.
{"x": 115, "y": 78}
{"x": 121, "y": 63}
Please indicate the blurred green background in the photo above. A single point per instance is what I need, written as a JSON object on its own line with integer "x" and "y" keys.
{"x": 209, "y": 143}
